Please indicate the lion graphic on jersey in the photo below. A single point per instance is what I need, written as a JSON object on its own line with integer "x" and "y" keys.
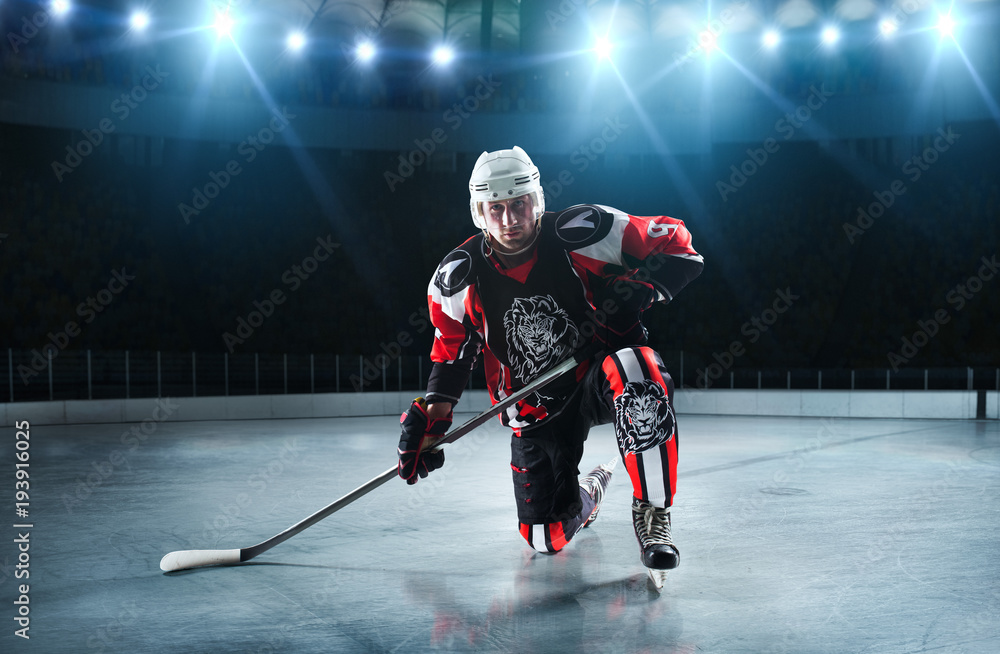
{"x": 643, "y": 416}
{"x": 539, "y": 334}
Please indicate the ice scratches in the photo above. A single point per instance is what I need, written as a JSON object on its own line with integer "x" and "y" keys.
{"x": 137, "y": 546}
{"x": 798, "y": 451}
{"x": 956, "y": 646}
{"x": 366, "y": 643}
{"x": 783, "y": 490}
{"x": 899, "y": 564}
{"x": 988, "y": 455}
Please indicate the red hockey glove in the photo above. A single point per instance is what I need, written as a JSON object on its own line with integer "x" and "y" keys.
{"x": 419, "y": 431}
{"x": 619, "y": 312}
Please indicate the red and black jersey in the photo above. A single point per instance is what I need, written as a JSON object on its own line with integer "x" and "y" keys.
{"x": 531, "y": 317}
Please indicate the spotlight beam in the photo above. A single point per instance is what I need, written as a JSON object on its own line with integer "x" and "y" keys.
{"x": 991, "y": 103}
{"x": 331, "y": 206}
{"x": 864, "y": 172}
{"x": 922, "y": 104}
{"x": 688, "y": 193}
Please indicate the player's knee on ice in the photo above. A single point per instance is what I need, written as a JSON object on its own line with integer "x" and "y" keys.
{"x": 553, "y": 536}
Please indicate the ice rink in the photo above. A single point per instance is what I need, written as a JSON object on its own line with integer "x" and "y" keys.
{"x": 796, "y": 535}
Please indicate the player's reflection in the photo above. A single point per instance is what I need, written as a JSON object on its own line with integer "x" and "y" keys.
{"x": 554, "y": 603}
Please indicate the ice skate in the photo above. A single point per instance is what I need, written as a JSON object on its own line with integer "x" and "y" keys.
{"x": 652, "y": 530}
{"x": 595, "y": 484}
{"x": 657, "y": 578}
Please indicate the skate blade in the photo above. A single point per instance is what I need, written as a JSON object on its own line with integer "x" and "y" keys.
{"x": 657, "y": 578}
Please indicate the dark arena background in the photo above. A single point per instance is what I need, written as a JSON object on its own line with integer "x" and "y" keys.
{"x": 218, "y": 221}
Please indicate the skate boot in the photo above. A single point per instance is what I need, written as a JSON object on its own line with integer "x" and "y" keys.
{"x": 652, "y": 530}
{"x": 595, "y": 484}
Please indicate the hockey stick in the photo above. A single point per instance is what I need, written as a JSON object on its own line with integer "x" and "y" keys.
{"x": 184, "y": 559}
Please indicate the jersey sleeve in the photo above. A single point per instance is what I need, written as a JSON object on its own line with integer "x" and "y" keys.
{"x": 653, "y": 249}
{"x": 456, "y": 313}
{"x": 659, "y": 248}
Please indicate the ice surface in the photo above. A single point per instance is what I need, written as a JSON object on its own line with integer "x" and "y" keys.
{"x": 796, "y": 535}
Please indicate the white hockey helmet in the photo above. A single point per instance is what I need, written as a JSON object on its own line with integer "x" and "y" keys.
{"x": 503, "y": 175}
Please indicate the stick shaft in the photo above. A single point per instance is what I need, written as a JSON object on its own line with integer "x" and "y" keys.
{"x": 248, "y": 553}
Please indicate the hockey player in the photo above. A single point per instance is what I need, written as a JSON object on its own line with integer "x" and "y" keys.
{"x": 528, "y": 292}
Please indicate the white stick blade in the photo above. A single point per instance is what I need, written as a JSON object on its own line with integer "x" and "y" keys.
{"x": 185, "y": 559}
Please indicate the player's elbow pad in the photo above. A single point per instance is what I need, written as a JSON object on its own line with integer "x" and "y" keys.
{"x": 676, "y": 273}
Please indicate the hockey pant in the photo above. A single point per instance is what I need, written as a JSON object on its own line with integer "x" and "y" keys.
{"x": 630, "y": 389}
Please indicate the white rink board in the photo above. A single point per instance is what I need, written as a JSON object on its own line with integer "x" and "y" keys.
{"x": 954, "y": 405}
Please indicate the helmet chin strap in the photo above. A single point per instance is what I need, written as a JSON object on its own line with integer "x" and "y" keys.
{"x": 512, "y": 254}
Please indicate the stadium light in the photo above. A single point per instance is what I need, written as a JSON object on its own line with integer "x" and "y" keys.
{"x": 223, "y": 24}
{"x": 708, "y": 40}
{"x": 946, "y": 25}
{"x": 139, "y": 20}
{"x": 888, "y": 27}
{"x": 366, "y": 51}
{"x": 443, "y": 55}
{"x": 830, "y": 35}
{"x": 602, "y": 47}
{"x": 60, "y": 7}
{"x": 296, "y": 41}
{"x": 771, "y": 38}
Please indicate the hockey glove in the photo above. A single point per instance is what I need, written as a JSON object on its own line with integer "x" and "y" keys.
{"x": 420, "y": 432}
{"x": 619, "y": 312}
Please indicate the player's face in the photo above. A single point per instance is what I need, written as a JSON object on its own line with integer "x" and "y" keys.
{"x": 510, "y": 223}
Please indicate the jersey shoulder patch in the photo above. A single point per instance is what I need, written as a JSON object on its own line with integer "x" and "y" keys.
{"x": 454, "y": 274}
{"x": 581, "y": 225}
